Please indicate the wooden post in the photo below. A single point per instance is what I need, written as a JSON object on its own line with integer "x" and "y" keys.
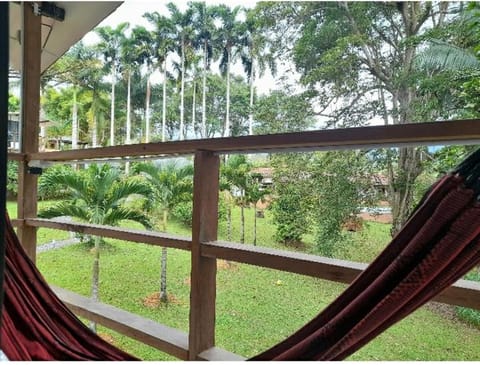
{"x": 204, "y": 269}
{"x": 27, "y": 183}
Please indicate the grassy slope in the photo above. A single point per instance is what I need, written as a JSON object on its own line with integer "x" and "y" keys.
{"x": 255, "y": 307}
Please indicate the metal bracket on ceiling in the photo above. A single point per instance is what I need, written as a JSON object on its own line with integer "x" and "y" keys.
{"x": 49, "y": 10}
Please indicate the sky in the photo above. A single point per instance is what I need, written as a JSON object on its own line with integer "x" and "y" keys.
{"x": 132, "y": 11}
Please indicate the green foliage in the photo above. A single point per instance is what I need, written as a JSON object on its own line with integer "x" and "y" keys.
{"x": 12, "y": 177}
{"x": 49, "y": 191}
{"x": 341, "y": 185}
{"x": 13, "y": 103}
{"x": 182, "y": 211}
{"x": 468, "y": 314}
{"x": 290, "y": 206}
{"x": 96, "y": 195}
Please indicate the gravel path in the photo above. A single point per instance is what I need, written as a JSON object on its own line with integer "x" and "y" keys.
{"x": 57, "y": 244}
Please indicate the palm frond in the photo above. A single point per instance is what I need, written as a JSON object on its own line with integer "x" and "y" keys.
{"x": 441, "y": 56}
{"x": 66, "y": 209}
{"x": 114, "y": 216}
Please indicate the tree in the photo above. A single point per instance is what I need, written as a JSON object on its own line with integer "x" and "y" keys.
{"x": 229, "y": 35}
{"x": 255, "y": 55}
{"x": 235, "y": 173}
{"x": 110, "y": 46}
{"x": 348, "y": 51}
{"x": 170, "y": 185}
{"x": 255, "y": 193}
{"x": 164, "y": 44}
{"x": 96, "y": 195}
{"x": 184, "y": 35}
{"x": 203, "y": 22}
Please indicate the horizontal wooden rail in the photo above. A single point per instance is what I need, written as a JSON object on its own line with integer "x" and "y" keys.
{"x": 133, "y": 235}
{"x": 169, "y": 340}
{"x": 445, "y": 132}
{"x": 166, "y": 339}
{"x": 16, "y": 156}
{"x": 463, "y": 293}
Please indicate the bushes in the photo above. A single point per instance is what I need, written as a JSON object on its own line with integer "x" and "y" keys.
{"x": 470, "y": 315}
{"x": 47, "y": 191}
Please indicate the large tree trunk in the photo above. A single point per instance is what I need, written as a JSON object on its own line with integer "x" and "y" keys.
{"x": 95, "y": 277}
{"x": 147, "y": 111}
{"x": 164, "y": 100}
{"x": 204, "y": 93}
{"x": 112, "y": 110}
{"x": 227, "y": 108}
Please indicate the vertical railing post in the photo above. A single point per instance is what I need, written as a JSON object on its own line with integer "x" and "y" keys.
{"x": 204, "y": 269}
{"x": 27, "y": 183}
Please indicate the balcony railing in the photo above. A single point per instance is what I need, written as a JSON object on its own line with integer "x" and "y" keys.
{"x": 199, "y": 342}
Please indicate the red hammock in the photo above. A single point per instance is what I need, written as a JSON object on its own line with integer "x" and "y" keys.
{"x": 36, "y": 324}
{"x": 438, "y": 245}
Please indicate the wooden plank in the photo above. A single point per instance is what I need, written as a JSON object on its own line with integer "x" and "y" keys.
{"x": 204, "y": 269}
{"x": 444, "y": 132}
{"x": 126, "y": 234}
{"x": 294, "y": 262}
{"x": 27, "y": 183}
{"x": 463, "y": 293}
{"x": 218, "y": 354}
{"x": 166, "y": 339}
{"x": 16, "y": 156}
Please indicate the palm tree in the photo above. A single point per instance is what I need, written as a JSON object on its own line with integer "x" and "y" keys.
{"x": 184, "y": 35}
{"x": 255, "y": 56}
{"x": 254, "y": 194}
{"x": 235, "y": 175}
{"x": 110, "y": 45}
{"x": 229, "y": 36}
{"x": 96, "y": 195}
{"x": 170, "y": 185}
{"x": 145, "y": 54}
{"x": 164, "y": 44}
{"x": 443, "y": 56}
{"x": 203, "y": 22}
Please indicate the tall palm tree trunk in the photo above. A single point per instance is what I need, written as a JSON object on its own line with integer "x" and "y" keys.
{"x": 164, "y": 101}
{"x": 147, "y": 111}
{"x": 182, "y": 92}
{"x": 255, "y": 224}
{"x": 193, "y": 108}
{"x": 229, "y": 222}
{"x": 250, "y": 113}
{"x": 112, "y": 109}
{"x": 163, "y": 265}
{"x": 227, "y": 109}
{"x": 95, "y": 277}
{"x": 242, "y": 221}
{"x": 74, "y": 120}
{"x": 204, "y": 93}
{"x": 129, "y": 120}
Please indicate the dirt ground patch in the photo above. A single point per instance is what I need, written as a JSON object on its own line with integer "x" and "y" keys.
{"x": 380, "y": 218}
{"x": 153, "y": 300}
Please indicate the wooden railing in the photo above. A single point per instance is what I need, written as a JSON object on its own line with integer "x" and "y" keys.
{"x": 199, "y": 342}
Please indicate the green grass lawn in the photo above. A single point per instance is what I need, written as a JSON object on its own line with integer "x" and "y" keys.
{"x": 256, "y": 307}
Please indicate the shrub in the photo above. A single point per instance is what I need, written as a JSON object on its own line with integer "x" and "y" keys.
{"x": 470, "y": 315}
{"x": 183, "y": 212}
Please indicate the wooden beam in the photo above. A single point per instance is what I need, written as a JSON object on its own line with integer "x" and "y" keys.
{"x": 16, "y": 156}
{"x": 218, "y": 354}
{"x": 434, "y": 133}
{"x": 126, "y": 234}
{"x": 166, "y": 339}
{"x": 463, "y": 293}
{"x": 27, "y": 183}
{"x": 204, "y": 269}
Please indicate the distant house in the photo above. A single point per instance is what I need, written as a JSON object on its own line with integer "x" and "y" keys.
{"x": 267, "y": 176}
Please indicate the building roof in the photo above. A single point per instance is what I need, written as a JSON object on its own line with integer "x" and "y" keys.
{"x": 58, "y": 36}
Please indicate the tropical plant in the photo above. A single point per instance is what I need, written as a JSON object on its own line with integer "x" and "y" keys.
{"x": 255, "y": 193}
{"x": 170, "y": 185}
{"x": 96, "y": 195}
{"x": 110, "y": 46}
